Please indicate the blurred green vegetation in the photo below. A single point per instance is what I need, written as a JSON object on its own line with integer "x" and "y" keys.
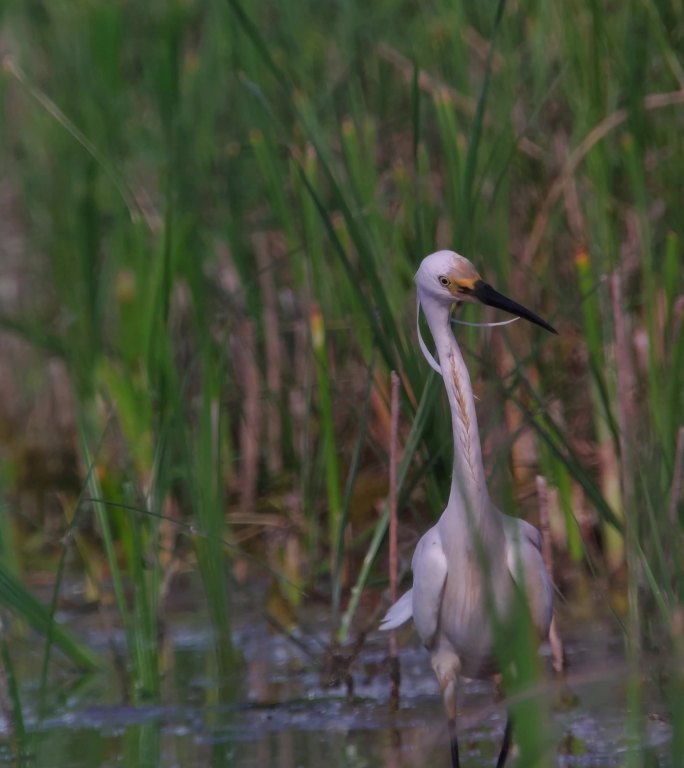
{"x": 212, "y": 212}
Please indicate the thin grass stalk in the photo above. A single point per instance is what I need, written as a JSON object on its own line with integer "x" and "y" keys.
{"x": 140, "y": 545}
{"x": 273, "y": 169}
{"x": 676, "y": 685}
{"x": 303, "y": 434}
{"x": 662, "y": 564}
{"x": 544, "y": 523}
{"x": 466, "y": 210}
{"x": 15, "y": 597}
{"x": 393, "y": 461}
{"x": 8, "y": 545}
{"x": 102, "y": 517}
{"x": 448, "y": 130}
{"x": 672, "y": 366}
{"x": 626, "y": 420}
{"x": 555, "y": 641}
{"x": 313, "y": 273}
{"x": 352, "y": 475}
{"x": 671, "y": 275}
{"x": 10, "y": 698}
{"x": 607, "y": 436}
{"x": 142, "y": 570}
{"x": 142, "y": 744}
{"x": 51, "y": 626}
{"x": 205, "y": 467}
{"x": 416, "y": 128}
{"x": 259, "y": 43}
{"x": 330, "y": 450}
{"x": 527, "y": 706}
{"x": 360, "y": 166}
{"x": 251, "y": 423}
{"x": 677, "y": 479}
{"x": 658, "y": 374}
{"x": 273, "y": 357}
{"x": 395, "y": 673}
{"x": 567, "y": 500}
{"x": 316, "y": 284}
{"x": 560, "y": 477}
{"x": 10, "y": 66}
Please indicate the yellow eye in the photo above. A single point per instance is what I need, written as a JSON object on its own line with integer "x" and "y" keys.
{"x": 444, "y": 280}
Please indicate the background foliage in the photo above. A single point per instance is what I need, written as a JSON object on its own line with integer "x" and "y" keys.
{"x": 211, "y": 215}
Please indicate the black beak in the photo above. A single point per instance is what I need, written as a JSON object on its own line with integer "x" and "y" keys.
{"x": 487, "y": 295}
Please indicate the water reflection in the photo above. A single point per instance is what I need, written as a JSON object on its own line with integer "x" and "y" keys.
{"x": 277, "y": 713}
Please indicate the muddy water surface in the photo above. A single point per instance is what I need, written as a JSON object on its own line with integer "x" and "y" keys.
{"x": 280, "y": 712}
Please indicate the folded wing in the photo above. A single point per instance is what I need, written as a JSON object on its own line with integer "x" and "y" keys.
{"x": 429, "y": 576}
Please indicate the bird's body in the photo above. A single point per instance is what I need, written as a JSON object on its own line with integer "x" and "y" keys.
{"x": 452, "y": 614}
{"x": 467, "y": 567}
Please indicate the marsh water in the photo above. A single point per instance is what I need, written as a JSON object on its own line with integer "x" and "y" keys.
{"x": 280, "y": 710}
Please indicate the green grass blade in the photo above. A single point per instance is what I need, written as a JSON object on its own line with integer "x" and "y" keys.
{"x": 17, "y": 599}
{"x": 468, "y": 203}
{"x": 11, "y": 688}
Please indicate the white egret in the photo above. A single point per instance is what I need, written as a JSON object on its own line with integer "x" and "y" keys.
{"x": 465, "y": 568}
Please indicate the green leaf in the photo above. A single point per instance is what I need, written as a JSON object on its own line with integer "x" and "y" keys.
{"x": 17, "y": 599}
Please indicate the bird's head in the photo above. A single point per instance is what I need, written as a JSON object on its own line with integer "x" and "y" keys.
{"x": 447, "y": 278}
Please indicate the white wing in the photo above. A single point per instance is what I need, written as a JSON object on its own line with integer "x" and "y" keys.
{"x": 524, "y": 558}
{"x": 398, "y": 613}
{"x": 429, "y": 576}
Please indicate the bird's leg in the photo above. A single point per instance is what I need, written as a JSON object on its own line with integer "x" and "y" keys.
{"x": 557, "y": 653}
{"x": 505, "y": 744}
{"x": 449, "y": 693}
{"x": 453, "y": 741}
{"x": 447, "y": 666}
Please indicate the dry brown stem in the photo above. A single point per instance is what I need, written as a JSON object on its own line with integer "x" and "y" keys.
{"x": 274, "y": 366}
{"x": 599, "y": 132}
{"x": 250, "y": 426}
{"x": 678, "y": 469}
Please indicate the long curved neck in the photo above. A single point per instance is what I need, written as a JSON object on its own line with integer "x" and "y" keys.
{"x": 468, "y": 487}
